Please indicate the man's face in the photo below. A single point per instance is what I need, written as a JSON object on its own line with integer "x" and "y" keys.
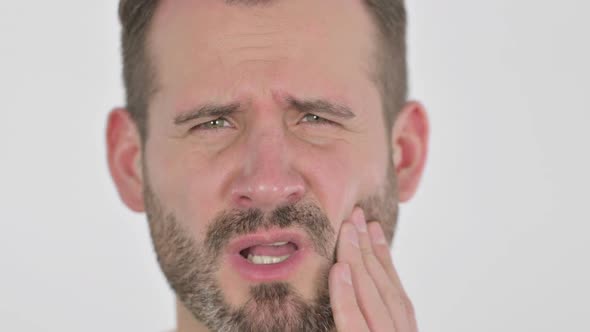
{"x": 245, "y": 202}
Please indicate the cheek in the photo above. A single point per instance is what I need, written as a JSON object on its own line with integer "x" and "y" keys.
{"x": 343, "y": 176}
{"x": 332, "y": 177}
{"x": 185, "y": 182}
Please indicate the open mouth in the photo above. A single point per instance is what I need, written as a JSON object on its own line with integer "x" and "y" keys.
{"x": 270, "y": 253}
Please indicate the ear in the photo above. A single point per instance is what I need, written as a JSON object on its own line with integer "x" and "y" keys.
{"x": 124, "y": 158}
{"x": 409, "y": 138}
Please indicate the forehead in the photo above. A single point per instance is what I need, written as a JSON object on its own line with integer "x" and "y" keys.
{"x": 210, "y": 48}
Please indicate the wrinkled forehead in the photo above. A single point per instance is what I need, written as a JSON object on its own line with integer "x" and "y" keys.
{"x": 208, "y": 42}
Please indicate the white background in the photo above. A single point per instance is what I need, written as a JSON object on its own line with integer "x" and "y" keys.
{"x": 495, "y": 240}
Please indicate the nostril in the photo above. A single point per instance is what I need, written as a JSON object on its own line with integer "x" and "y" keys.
{"x": 293, "y": 198}
{"x": 242, "y": 200}
{"x": 265, "y": 196}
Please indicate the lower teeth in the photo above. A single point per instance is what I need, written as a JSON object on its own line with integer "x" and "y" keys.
{"x": 266, "y": 259}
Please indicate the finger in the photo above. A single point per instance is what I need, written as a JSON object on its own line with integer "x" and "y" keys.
{"x": 399, "y": 303}
{"x": 387, "y": 289}
{"x": 372, "y": 306}
{"x": 382, "y": 250}
{"x": 347, "y": 313}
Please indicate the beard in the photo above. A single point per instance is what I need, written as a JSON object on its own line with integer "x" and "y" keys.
{"x": 190, "y": 267}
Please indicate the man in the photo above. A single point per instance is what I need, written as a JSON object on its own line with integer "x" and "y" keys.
{"x": 269, "y": 143}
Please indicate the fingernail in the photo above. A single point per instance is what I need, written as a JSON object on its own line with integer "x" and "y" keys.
{"x": 345, "y": 274}
{"x": 376, "y": 233}
{"x": 353, "y": 236}
{"x": 358, "y": 219}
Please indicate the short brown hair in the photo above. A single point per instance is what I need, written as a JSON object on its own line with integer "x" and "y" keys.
{"x": 139, "y": 74}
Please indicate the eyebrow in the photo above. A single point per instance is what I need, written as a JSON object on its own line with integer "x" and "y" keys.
{"x": 206, "y": 111}
{"x": 316, "y": 106}
{"x": 319, "y": 106}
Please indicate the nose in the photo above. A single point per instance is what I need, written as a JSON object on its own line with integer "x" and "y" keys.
{"x": 267, "y": 177}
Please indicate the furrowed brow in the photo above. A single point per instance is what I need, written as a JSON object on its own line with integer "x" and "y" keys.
{"x": 318, "y": 106}
{"x": 206, "y": 111}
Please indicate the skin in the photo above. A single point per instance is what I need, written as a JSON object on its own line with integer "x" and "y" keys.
{"x": 267, "y": 153}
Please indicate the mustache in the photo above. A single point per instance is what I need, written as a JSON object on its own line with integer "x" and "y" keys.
{"x": 305, "y": 215}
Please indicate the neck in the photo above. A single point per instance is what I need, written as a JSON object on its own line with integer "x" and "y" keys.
{"x": 185, "y": 320}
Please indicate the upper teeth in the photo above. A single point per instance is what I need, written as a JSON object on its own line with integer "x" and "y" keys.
{"x": 266, "y": 259}
{"x": 278, "y": 244}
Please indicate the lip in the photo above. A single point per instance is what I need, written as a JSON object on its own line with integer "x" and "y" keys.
{"x": 267, "y": 272}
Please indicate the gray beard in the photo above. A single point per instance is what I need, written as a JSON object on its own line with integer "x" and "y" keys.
{"x": 191, "y": 267}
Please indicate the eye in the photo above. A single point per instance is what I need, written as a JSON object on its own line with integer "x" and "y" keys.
{"x": 215, "y": 124}
{"x": 316, "y": 119}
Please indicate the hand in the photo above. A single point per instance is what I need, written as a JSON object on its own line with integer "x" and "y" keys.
{"x": 365, "y": 291}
